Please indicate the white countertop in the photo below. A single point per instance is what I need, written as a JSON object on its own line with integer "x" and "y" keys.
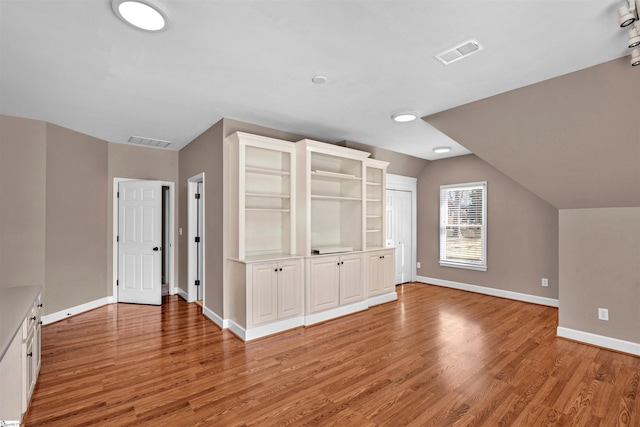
{"x": 15, "y": 304}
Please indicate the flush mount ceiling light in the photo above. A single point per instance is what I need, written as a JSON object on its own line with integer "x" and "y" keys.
{"x": 319, "y": 79}
{"x": 441, "y": 150}
{"x": 635, "y": 57}
{"x": 405, "y": 116}
{"x": 146, "y": 15}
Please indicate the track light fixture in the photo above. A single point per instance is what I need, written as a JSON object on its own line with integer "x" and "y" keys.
{"x": 635, "y": 57}
{"x": 634, "y": 36}
{"x": 628, "y": 13}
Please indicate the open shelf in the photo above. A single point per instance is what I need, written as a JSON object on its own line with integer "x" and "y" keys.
{"x": 319, "y": 197}
{"x": 264, "y": 171}
{"x": 275, "y": 196}
{"x": 320, "y": 174}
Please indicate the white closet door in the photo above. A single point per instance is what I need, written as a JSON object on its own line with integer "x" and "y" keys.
{"x": 399, "y": 233}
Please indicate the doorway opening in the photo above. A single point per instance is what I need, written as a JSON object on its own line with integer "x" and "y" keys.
{"x": 401, "y": 225}
{"x": 165, "y": 240}
{"x": 196, "y": 236}
{"x": 139, "y": 265}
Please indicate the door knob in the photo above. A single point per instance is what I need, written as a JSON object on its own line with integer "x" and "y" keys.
{"x": 156, "y": 249}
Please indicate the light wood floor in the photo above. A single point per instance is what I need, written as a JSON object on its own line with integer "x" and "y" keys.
{"x": 435, "y": 357}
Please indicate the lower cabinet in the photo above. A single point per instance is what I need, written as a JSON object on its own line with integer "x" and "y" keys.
{"x": 381, "y": 272}
{"x": 271, "y": 296}
{"x": 20, "y": 366}
{"x": 266, "y": 296}
{"x": 335, "y": 280}
{"x": 276, "y": 289}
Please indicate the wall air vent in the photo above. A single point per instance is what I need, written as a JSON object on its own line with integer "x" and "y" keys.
{"x": 149, "y": 142}
{"x": 461, "y": 51}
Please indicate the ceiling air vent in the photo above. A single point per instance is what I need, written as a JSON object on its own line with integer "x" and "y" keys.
{"x": 150, "y": 142}
{"x": 461, "y": 51}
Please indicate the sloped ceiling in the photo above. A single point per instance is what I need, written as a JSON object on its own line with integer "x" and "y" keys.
{"x": 573, "y": 140}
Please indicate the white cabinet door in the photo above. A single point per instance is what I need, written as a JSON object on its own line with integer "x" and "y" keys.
{"x": 375, "y": 273}
{"x": 388, "y": 263}
{"x": 351, "y": 278}
{"x": 264, "y": 289}
{"x": 324, "y": 283}
{"x": 289, "y": 288}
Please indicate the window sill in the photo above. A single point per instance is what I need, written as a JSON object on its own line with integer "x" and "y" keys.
{"x": 464, "y": 266}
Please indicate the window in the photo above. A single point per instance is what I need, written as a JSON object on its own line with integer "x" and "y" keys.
{"x": 463, "y": 226}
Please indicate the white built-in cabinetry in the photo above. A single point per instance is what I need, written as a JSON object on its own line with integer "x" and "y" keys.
{"x": 303, "y": 219}
{"x": 381, "y": 272}
{"x": 20, "y": 312}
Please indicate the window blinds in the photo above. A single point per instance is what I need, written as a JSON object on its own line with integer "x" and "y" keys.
{"x": 463, "y": 215}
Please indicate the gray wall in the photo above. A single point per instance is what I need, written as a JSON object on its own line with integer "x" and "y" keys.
{"x": 56, "y": 209}
{"x": 76, "y": 219}
{"x": 600, "y": 268}
{"x": 204, "y": 154}
{"x": 130, "y": 161}
{"x": 522, "y": 230}
{"x": 22, "y": 201}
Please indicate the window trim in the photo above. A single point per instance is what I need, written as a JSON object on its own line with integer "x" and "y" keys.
{"x": 469, "y": 265}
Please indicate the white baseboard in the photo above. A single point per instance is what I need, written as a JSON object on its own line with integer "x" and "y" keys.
{"x": 599, "y": 340}
{"x": 63, "y": 314}
{"x": 381, "y": 299}
{"x": 490, "y": 291}
{"x": 335, "y": 312}
{"x": 222, "y": 323}
{"x": 266, "y": 330}
{"x": 183, "y": 294}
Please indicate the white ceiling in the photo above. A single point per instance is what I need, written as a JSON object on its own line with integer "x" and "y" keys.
{"x": 73, "y": 63}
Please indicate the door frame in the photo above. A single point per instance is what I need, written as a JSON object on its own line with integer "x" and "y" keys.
{"x": 170, "y": 238}
{"x": 192, "y": 248}
{"x": 408, "y": 183}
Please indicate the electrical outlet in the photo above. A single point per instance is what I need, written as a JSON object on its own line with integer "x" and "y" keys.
{"x": 418, "y": 264}
{"x": 545, "y": 282}
{"x": 603, "y": 313}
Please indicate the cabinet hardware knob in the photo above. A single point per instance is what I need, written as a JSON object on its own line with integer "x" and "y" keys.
{"x": 40, "y": 305}
{"x": 40, "y": 322}
{"x": 342, "y": 262}
{"x": 30, "y": 354}
{"x": 156, "y": 249}
{"x": 280, "y": 269}
{"x": 276, "y": 270}
{"x": 33, "y": 318}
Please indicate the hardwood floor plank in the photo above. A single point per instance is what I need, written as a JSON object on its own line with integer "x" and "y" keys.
{"x": 436, "y": 356}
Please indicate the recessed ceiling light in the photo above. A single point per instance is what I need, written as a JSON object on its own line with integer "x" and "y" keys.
{"x": 407, "y": 116}
{"x": 319, "y": 79}
{"x": 441, "y": 150}
{"x": 147, "y": 15}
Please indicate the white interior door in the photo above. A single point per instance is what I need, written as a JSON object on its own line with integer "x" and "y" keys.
{"x": 399, "y": 232}
{"x": 140, "y": 242}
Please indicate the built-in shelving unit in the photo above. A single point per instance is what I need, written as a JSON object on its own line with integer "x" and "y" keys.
{"x": 263, "y": 189}
{"x": 305, "y": 219}
{"x": 330, "y": 198}
{"x": 375, "y": 203}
